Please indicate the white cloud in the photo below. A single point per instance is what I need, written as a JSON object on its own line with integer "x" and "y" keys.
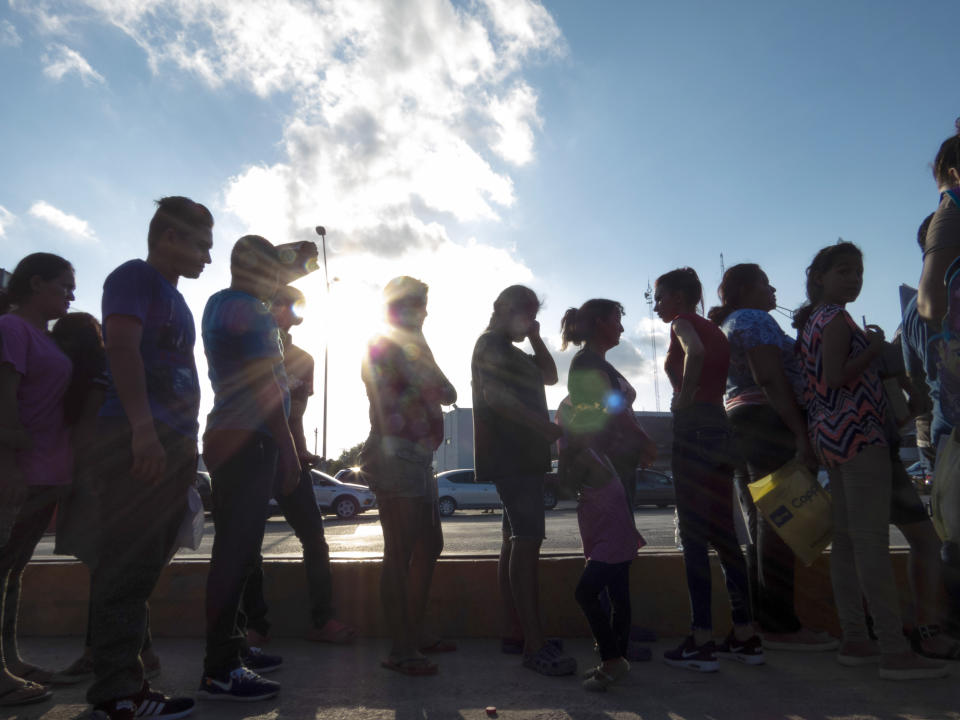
{"x": 60, "y": 61}
{"x": 76, "y": 229}
{"x": 6, "y": 218}
{"x": 407, "y": 118}
{"x": 8, "y": 34}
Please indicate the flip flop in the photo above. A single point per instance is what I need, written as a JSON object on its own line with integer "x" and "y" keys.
{"x": 333, "y": 632}
{"x": 413, "y": 666}
{"x": 26, "y": 694}
{"x": 35, "y": 674}
{"x": 440, "y": 646}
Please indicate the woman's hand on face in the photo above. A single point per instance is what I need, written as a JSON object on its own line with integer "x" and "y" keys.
{"x": 533, "y": 331}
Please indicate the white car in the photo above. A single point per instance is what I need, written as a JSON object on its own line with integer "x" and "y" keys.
{"x": 344, "y": 499}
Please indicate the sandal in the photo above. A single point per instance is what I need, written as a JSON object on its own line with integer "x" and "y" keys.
{"x": 550, "y": 661}
{"x": 926, "y": 632}
{"x": 514, "y": 646}
{"x": 333, "y": 632}
{"x": 25, "y": 694}
{"x": 413, "y": 666}
{"x": 600, "y": 677}
{"x": 34, "y": 674}
{"x": 439, "y": 646}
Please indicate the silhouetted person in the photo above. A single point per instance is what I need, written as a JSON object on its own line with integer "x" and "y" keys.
{"x": 36, "y": 459}
{"x": 406, "y": 389}
{"x": 144, "y": 455}
{"x": 512, "y": 438}
{"x": 249, "y": 451}
{"x": 299, "y": 508}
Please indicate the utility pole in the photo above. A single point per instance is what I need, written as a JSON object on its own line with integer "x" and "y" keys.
{"x": 322, "y": 232}
{"x": 648, "y": 296}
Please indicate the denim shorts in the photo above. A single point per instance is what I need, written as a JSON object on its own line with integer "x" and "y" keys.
{"x": 523, "y": 512}
{"x": 398, "y": 468}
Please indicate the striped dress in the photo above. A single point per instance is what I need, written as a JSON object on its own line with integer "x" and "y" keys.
{"x": 844, "y": 420}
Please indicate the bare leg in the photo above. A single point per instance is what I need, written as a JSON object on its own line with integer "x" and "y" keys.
{"x": 524, "y": 584}
{"x": 511, "y": 621}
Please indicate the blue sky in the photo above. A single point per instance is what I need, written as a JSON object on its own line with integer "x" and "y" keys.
{"x": 581, "y": 148}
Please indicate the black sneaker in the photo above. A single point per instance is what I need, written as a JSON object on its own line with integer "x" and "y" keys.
{"x": 145, "y": 704}
{"x": 258, "y": 661}
{"x": 749, "y": 651}
{"x": 693, "y": 657}
{"x": 240, "y": 685}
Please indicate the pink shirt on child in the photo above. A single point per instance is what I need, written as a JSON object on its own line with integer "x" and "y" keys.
{"x": 44, "y": 376}
{"x": 606, "y": 524}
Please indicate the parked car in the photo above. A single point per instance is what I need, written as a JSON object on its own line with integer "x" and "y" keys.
{"x": 351, "y": 476}
{"x": 654, "y": 488}
{"x": 460, "y": 490}
{"x": 344, "y": 499}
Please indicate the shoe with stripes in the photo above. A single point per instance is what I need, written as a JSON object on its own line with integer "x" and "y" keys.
{"x": 145, "y": 704}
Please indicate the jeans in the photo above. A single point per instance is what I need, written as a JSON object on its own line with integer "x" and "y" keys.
{"x": 765, "y": 444}
{"x": 703, "y": 464}
{"x": 860, "y": 557}
{"x": 609, "y": 621}
{"x": 301, "y": 512}
{"x": 31, "y": 522}
{"x": 242, "y": 486}
{"x": 139, "y": 523}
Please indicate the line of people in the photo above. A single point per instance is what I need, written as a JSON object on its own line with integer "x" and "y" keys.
{"x": 119, "y": 422}
{"x": 113, "y": 415}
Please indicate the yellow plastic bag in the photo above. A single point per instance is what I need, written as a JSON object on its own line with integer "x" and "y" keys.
{"x": 945, "y": 496}
{"x": 798, "y": 509}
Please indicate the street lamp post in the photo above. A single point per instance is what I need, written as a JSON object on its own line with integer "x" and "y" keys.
{"x": 322, "y": 232}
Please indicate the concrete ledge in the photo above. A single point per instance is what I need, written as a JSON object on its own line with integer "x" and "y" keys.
{"x": 464, "y": 600}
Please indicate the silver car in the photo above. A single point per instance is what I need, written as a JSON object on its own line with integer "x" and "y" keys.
{"x": 344, "y": 499}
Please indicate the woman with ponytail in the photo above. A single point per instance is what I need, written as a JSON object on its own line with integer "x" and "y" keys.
{"x": 763, "y": 400}
{"x": 846, "y": 416}
{"x": 703, "y": 463}
{"x": 601, "y": 396}
{"x": 35, "y": 455}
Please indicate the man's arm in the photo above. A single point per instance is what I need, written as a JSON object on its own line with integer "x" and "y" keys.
{"x": 931, "y": 292}
{"x": 124, "y": 333}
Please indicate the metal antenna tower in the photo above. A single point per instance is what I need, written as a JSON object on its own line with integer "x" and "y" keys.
{"x": 648, "y": 296}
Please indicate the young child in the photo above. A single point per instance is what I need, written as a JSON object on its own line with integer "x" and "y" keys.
{"x": 846, "y": 413}
{"x": 610, "y": 542}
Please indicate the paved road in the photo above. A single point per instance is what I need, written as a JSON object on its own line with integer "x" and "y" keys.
{"x": 470, "y": 532}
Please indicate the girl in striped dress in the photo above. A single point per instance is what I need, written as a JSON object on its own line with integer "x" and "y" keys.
{"x": 845, "y": 413}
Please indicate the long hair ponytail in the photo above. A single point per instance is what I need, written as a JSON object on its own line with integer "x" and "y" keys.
{"x": 737, "y": 282}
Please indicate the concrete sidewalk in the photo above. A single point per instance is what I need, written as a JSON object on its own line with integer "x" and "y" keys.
{"x": 347, "y": 682}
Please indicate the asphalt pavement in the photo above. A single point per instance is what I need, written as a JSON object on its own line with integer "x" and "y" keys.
{"x": 347, "y": 682}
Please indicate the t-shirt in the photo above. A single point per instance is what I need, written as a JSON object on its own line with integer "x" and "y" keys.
{"x": 598, "y": 392}
{"x": 944, "y": 230}
{"x": 745, "y": 330}
{"x": 404, "y": 387}
{"x": 716, "y": 360}
{"x": 842, "y": 421}
{"x": 502, "y": 446}
{"x": 606, "y": 524}
{"x": 923, "y": 358}
{"x": 138, "y": 290}
{"x": 238, "y": 328}
{"x": 44, "y": 376}
{"x": 298, "y": 364}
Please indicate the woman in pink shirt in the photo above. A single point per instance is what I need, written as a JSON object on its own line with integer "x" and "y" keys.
{"x": 35, "y": 455}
